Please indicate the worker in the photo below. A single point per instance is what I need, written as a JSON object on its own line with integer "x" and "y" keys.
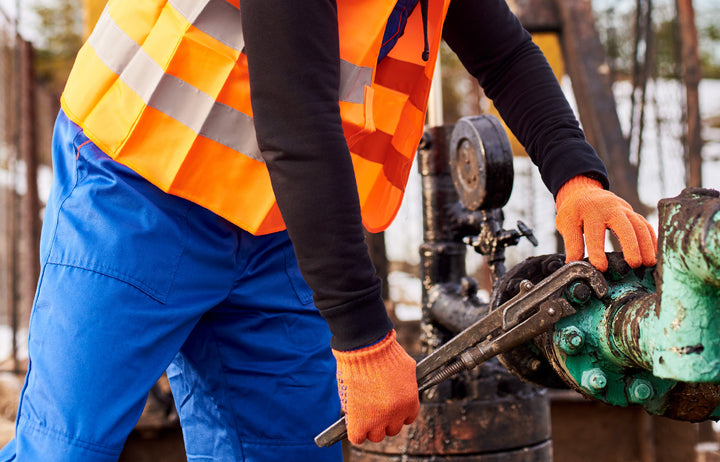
{"x": 214, "y": 164}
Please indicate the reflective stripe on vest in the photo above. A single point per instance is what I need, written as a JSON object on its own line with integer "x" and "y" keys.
{"x": 189, "y": 129}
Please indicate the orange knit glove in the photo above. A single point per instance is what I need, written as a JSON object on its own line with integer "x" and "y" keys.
{"x": 583, "y": 206}
{"x": 378, "y": 390}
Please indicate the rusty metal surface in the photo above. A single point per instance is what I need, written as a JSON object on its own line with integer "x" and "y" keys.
{"x": 617, "y": 270}
{"x": 625, "y": 328}
{"x": 532, "y": 311}
{"x": 456, "y": 307}
{"x": 482, "y": 415}
{"x": 692, "y": 402}
{"x": 527, "y": 361}
{"x": 442, "y": 258}
{"x": 438, "y": 191}
{"x": 687, "y": 347}
{"x": 693, "y": 205}
{"x": 442, "y": 262}
{"x": 542, "y": 452}
{"x": 628, "y": 316}
{"x": 485, "y": 414}
{"x": 492, "y": 412}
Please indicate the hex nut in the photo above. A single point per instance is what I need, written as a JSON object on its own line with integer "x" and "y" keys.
{"x": 571, "y": 339}
{"x": 594, "y": 380}
{"x": 640, "y": 390}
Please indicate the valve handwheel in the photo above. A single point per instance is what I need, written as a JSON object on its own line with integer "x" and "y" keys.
{"x": 481, "y": 162}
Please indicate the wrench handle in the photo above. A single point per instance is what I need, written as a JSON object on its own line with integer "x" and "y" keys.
{"x": 332, "y": 434}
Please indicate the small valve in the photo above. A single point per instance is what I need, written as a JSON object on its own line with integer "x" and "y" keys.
{"x": 493, "y": 239}
{"x": 526, "y": 231}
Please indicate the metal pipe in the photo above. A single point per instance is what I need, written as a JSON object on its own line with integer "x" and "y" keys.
{"x": 679, "y": 335}
{"x": 442, "y": 258}
{"x": 484, "y": 415}
{"x": 652, "y": 341}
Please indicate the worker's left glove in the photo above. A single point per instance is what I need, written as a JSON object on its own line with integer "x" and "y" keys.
{"x": 378, "y": 390}
{"x": 584, "y": 207}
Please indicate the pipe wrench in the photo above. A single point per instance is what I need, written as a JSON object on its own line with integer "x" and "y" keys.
{"x": 533, "y": 311}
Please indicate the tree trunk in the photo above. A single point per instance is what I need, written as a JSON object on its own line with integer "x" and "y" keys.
{"x": 30, "y": 203}
{"x": 590, "y": 74}
{"x": 691, "y": 74}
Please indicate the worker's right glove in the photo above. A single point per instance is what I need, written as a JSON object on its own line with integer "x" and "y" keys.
{"x": 378, "y": 390}
{"x": 585, "y": 208}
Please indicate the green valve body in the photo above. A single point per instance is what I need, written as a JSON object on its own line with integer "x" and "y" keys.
{"x": 607, "y": 365}
{"x": 686, "y": 340}
{"x": 654, "y": 339}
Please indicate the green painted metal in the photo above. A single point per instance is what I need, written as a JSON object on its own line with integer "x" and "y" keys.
{"x": 570, "y": 339}
{"x": 601, "y": 367}
{"x": 658, "y": 329}
{"x": 687, "y": 345}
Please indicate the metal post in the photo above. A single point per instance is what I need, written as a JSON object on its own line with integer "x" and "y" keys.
{"x": 435, "y": 106}
{"x": 484, "y": 416}
{"x": 10, "y": 199}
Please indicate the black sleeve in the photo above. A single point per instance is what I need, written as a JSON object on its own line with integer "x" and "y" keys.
{"x": 493, "y": 46}
{"x": 294, "y": 65}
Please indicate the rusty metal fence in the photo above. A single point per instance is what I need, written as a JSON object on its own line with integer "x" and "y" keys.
{"x": 27, "y": 112}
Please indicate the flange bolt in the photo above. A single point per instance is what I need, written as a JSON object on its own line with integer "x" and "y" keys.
{"x": 570, "y": 339}
{"x": 579, "y": 292}
{"x": 594, "y": 380}
{"x": 640, "y": 391}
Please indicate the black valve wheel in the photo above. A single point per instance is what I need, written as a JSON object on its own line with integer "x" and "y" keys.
{"x": 481, "y": 162}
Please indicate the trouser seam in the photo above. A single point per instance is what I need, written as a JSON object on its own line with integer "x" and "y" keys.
{"x": 23, "y": 420}
{"x": 231, "y": 411}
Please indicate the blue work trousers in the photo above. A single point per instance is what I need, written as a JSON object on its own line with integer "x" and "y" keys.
{"x": 135, "y": 281}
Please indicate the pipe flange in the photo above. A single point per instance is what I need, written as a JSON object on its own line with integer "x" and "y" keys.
{"x": 528, "y": 361}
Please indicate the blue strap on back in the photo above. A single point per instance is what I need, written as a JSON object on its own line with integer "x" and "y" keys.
{"x": 396, "y": 25}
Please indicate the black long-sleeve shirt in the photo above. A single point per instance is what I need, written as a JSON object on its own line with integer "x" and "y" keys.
{"x": 293, "y": 59}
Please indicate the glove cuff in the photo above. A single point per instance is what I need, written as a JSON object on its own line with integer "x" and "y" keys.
{"x": 384, "y": 351}
{"x": 575, "y": 185}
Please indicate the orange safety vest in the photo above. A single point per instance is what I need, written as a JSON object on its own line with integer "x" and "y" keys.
{"x": 188, "y": 129}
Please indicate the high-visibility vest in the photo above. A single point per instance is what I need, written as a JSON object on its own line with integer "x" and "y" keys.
{"x": 189, "y": 130}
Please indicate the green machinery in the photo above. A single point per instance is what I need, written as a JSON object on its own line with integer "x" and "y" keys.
{"x": 653, "y": 340}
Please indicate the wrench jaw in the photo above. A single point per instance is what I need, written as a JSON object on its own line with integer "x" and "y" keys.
{"x": 529, "y": 360}
{"x": 532, "y": 312}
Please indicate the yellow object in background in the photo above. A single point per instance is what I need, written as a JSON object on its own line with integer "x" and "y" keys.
{"x": 549, "y": 43}
{"x": 91, "y": 13}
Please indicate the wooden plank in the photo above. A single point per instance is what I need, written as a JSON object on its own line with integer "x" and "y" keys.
{"x": 536, "y": 15}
